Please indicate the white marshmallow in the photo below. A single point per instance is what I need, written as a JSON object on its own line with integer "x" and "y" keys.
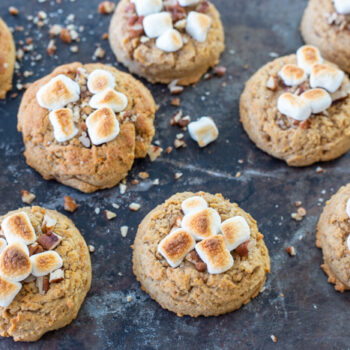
{"x": 18, "y": 228}
{"x": 185, "y": 3}
{"x": 294, "y": 106}
{"x": 58, "y": 92}
{"x": 100, "y": 80}
{"x": 175, "y": 246}
{"x": 8, "y": 291}
{"x": 327, "y": 77}
{"x": 198, "y": 25}
{"x": 193, "y": 204}
{"x": 292, "y": 75}
{"x": 147, "y": 7}
{"x": 318, "y": 99}
{"x": 102, "y": 126}
{"x": 204, "y": 131}
{"x": 342, "y": 6}
{"x": 109, "y": 98}
{"x": 157, "y": 24}
{"x": 46, "y": 262}
{"x": 348, "y": 242}
{"x": 214, "y": 253}
{"x": 202, "y": 224}
{"x": 3, "y": 245}
{"x": 308, "y": 56}
{"x": 170, "y": 41}
{"x": 348, "y": 207}
{"x": 63, "y": 125}
{"x": 235, "y": 231}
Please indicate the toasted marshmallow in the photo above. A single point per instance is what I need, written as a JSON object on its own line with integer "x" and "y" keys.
{"x": 63, "y": 125}
{"x": 175, "y": 246}
{"x": 327, "y": 77}
{"x": 102, "y": 125}
{"x": 307, "y": 57}
{"x": 214, "y": 253}
{"x": 318, "y": 99}
{"x": 46, "y": 262}
{"x": 8, "y": 291}
{"x": 18, "y": 228}
{"x": 3, "y": 245}
{"x": 100, "y": 80}
{"x": 58, "y": 92}
{"x": 147, "y": 7}
{"x": 185, "y": 3}
{"x": 170, "y": 41}
{"x": 203, "y": 223}
{"x": 157, "y": 24}
{"x": 193, "y": 204}
{"x": 235, "y": 231}
{"x": 198, "y": 25}
{"x": 109, "y": 98}
{"x": 348, "y": 207}
{"x": 294, "y": 106}
{"x": 292, "y": 75}
{"x": 342, "y": 6}
{"x": 15, "y": 263}
{"x": 204, "y": 131}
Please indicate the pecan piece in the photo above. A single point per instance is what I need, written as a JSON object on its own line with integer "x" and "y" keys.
{"x": 177, "y": 12}
{"x": 242, "y": 250}
{"x": 49, "y": 240}
{"x": 35, "y": 248}
{"x": 70, "y": 204}
{"x": 43, "y": 284}
{"x": 194, "y": 258}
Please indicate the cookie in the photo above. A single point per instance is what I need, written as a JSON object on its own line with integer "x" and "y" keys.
{"x": 84, "y": 125}
{"x": 164, "y": 41}
{"x": 7, "y": 59}
{"x": 326, "y": 24}
{"x": 296, "y": 108}
{"x": 198, "y": 254}
{"x": 45, "y": 272}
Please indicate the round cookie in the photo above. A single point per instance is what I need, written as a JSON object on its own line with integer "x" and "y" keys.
{"x": 180, "y": 274}
{"x": 7, "y": 59}
{"x": 81, "y": 161}
{"x": 166, "y": 55}
{"x": 49, "y": 302}
{"x": 329, "y": 30}
{"x": 305, "y": 135}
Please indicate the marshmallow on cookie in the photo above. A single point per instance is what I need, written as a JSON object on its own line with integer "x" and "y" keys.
{"x": 63, "y": 125}
{"x": 18, "y": 228}
{"x": 100, "y": 80}
{"x": 342, "y": 6}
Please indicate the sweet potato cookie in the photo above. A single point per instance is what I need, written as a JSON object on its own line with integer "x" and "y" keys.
{"x": 7, "y": 59}
{"x": 45, "y": 272}
{"x": 198, "y": 254}
{"x": 167, "y": 40}
{"x": 297, "y": 108}
{"x": 83, "y": 125}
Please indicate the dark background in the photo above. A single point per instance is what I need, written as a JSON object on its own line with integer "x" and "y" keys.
{"x": 298, "y": 306}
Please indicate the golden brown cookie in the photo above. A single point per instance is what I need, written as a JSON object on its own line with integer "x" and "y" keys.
{"x": 62, "y": 141}
{"x": 225, "y": 268}
{"x": 45, "y": 246}
{"x": 166, "y": 43}
{"x": 311, "y": 122}
{"x": 7, "y": 59}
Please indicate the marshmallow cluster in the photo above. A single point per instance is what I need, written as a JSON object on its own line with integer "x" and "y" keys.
{"x": 215, "y": 238}
{"x": 204, "y": 131}
{"x": 342, "y": 6}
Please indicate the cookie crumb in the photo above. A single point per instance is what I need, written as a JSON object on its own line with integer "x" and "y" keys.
{"x": 106, "y": 7}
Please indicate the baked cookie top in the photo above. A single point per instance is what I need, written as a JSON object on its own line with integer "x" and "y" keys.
{"x": 45, "y": 272}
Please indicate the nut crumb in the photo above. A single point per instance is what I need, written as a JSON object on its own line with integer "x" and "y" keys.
{"x": 274, "y": 338}
{"x": 134, "y": 206}
{"x": 106, "y": 7}
{"x": 129, "y": 298}
{"x": 291, "y": 251}
{"x": 91, "y": 248}
{"x": 27, "y": 197}
{"x": 124, "y": 230}
{"x": 110, "y": 214}
{"x": 143, "y": 175}
{"x": 175, "y": 102}
{"x": 319, "y": 170}
{"x": 177, "y": 175}
{"x": 70, "y": 204}
{"x": 13, "y": 11}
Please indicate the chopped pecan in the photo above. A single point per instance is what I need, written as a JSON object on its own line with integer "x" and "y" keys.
{"x": 27, "y": 197}
{"x": 242, "y": 250}
{"x": 203, "y": 7}
{"x": 49, "y": 240}
{"x": 177, "y": 12}
{"x": 70, "y": 204}
{"x": 65, "y": 36}
{"x": 35, "y": 248}
{"x": 194, "y": 258}
{"x": 106, "y": 7}
{"x": 43, "y": 284}
{"x": 56, "y": 276}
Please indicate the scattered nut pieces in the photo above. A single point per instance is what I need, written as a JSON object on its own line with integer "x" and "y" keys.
{"x": 49, "y": 241}
{"x": 175, "y": 102}
{"x": 154, "y": 152}
{"x": 110, "y": 214}
{"x": 70, "y": 204}
{"x": 124, "y": 230}
{"x": 272, "y": 84}
{"x": 91, "y": 248}
{"x": 220, "y": 71}
{"x": 143, "y": 175}
{"x": 177, "y": 175}
{"x": 129, "y": 298}
{"x": 27, "y": 197}
{"x": 301, "y": 211}
{"x": 274, "y": 338}
{"x": 319, "y": 170}
{"x": 13, "y": 11}
{"x": 291, "y": 251}
{"x": 134, "y": 206}
{"x": 106, "y": 7}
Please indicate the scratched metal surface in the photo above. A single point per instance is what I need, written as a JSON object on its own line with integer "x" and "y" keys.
{"x": 309, "y": 315}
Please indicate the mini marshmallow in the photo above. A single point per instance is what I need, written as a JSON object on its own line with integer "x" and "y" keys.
{"x": 348, "y": 207}
{"x": 327, "y": 77}
{"x": 307, "y": 57}
{"x": 63, "y": 125}
{"x": 203, "y": 223}
{"x": 318, "y": 99}
{"x": 342, "y": 6}
{"x": 100, "y": 80}
{"x": 46, "y": 262}
{"x": 235, "y": 231}
{"x": 102, "y": 126}
{"x": 175, "y": 246}
{"x": 292, "y": 75}
{"x": 170, "y": 41}
{"x": 193, "y": 204}
{"x": 15, "y": 263}
{"x": 198, "y": 25}
{"x": 294, "y": 106}
{"x": 109, "y": 98}
{"x": 214, "y": 253}
{"x": 185, "y": 3}
{"x": 58, "y": 92}
{"x": 8, "y": 291}
{"x": 157, "y": 24}
{"x": 18, "y": 228}
{"x": 348, "y": 242}
{"x": 204, "y": 131}
{"x": 147, "y": 7}
{"x": 3, "y": 245}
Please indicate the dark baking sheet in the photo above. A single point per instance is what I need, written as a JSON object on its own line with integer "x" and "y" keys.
{"x": 298, "y": 306}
